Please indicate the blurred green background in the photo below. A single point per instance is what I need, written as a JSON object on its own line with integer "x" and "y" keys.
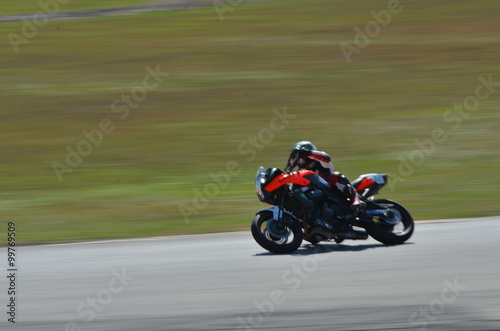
{"x": 35, "y": 6}
{"x": 225, "y": 78}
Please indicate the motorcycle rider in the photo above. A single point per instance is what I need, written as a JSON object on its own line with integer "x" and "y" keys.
{"x": 304, "y": 155}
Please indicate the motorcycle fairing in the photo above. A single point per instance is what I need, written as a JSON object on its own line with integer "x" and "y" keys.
{"x": 298, "y": 178}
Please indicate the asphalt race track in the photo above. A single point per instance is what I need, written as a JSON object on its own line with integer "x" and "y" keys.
{"x": 445, "y": 278}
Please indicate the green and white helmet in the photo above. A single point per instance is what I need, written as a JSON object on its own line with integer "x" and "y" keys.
{"x": 303, "y": 145}
{"x": 295, "y": 162}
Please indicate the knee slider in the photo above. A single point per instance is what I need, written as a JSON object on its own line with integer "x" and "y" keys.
{"x": 349, "y": 191}
{"x": 343, "y": 179}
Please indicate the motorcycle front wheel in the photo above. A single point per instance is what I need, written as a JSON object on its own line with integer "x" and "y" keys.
{"x": 277, "y": 239}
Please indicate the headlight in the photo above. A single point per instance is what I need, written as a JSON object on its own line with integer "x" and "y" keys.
{"x": 259, "y": 180}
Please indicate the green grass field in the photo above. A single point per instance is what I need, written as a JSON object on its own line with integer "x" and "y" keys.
{"x": 34, "y": 6}
{"x": 225, "y": 79}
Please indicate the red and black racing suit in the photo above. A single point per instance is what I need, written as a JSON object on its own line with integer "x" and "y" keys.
{"x": 320, "y": 162}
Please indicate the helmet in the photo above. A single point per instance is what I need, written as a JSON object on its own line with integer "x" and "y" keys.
{"x": 295, "y": 161}
{"x": 303, "y": 145}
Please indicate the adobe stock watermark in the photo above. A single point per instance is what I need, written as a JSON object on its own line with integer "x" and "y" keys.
{"x": 34, "y": 23}
{"x": 249, "y": 148}
{"x": 292, "y": 279}
{"x": 89, "y": 308}
{"x": 222, "y": 6}
{"x": 454, "y": 117}
{"x": 121, "y": 107}
{"x": 372, "y": 29}
{"x": 429, "y": 313}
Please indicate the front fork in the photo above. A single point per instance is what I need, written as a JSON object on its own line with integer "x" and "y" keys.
{"x": 278, "y": 212}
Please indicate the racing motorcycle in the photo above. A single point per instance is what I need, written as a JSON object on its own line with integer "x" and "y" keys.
{"x": 306, "y": 207}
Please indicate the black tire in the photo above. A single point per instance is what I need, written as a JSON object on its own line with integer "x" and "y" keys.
{"x": 386, "y": 234}
{"x": 276, "y": 245}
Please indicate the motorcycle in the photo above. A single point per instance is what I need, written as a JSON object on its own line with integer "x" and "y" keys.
{"x": 305, "y": 206}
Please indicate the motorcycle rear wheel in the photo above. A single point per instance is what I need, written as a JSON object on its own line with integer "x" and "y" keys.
{"x": 392, "y": 234}
{"x": 286, "y": 245}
